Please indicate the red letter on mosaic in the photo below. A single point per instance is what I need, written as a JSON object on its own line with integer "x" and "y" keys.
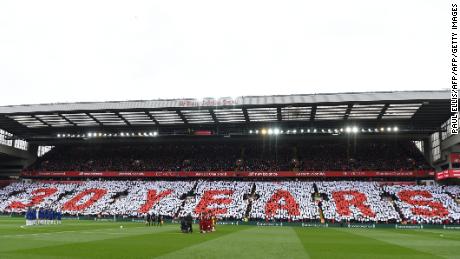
{"x": 282, "y": 200}
{"x": 152, "y": 199}
{"x": 436, "y": 208}
{"x": 95, "y": 194}
{"x": 37, "y": 197}
{"x": 209, "y": 198}
{"x": 345, "y": 199}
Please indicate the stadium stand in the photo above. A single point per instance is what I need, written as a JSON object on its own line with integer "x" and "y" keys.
{"x": 357, "y": 201}
{"x": 454, "y": 190}
{"x": 365, "y": 155}
{"x": 281, "y": 200}
{"x": 144, "y": 197}
{"x": 284, "y": 200}
{"x": 425, "y": 204}
{"x": 264, "y": 158}
{"x": 313, "y": 155}
{"x": 223, "y": 198}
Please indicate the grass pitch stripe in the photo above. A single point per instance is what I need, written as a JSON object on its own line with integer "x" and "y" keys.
{"x": 445, "y": 245}
{"x": 338, "y": 243}
{"x": 254, "y": 242}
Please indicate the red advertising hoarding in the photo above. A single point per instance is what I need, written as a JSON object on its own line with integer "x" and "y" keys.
{"x": 455, "y": 158}
{"x": 259, "y": 174}
{"x": 451, "y": 173}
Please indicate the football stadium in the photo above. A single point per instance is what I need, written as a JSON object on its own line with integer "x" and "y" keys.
{"x": 336, "y": 175}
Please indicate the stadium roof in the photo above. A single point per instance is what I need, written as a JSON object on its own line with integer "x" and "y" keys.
{"x": 409, "y": 110}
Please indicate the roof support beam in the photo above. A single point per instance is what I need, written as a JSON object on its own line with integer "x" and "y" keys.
{"x": 40, "y": 120}
{"x": 152, "y": 118}
{"x": 313, "y": 112}
{"x": 278, "y": 114}
{"x": 347, "y": 112}
{"x": 92, "y": 117}
{"x": 69, "y": 121}
{"x": 245, "y": 113}
{"x": 213, "y": 115}
{"x": 181, "y": 115}
{"x": 382, "y": 112}
{"x": 123, "y": 119}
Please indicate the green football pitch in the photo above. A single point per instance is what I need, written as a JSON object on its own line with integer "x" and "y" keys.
{"x": 88, "y": 239}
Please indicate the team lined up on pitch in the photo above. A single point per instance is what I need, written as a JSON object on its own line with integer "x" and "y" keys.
{"x": 42, "y": 216}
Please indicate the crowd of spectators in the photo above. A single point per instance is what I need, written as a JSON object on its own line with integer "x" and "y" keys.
{"x": 425, "y": 204}
{"x": 19, "y": 196}
{"x": 132, "y": 198}
{"x": 356, "y": 201}
{"x": 453, "y": 190}
{"x": 248, "y": 156}
{"x": 267, "y": 157}
{"x": 159, "y": 157}
{"x": 362, "y": 155}
{"x": 135, "y": 203}
{"x": 225, "y": 199}
{"x": 336, "y": 201}
{"x": 284, "y": 200}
